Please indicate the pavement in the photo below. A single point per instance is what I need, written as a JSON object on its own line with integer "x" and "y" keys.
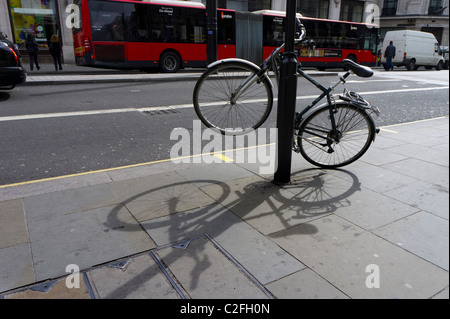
{"x": 217, "y": 227}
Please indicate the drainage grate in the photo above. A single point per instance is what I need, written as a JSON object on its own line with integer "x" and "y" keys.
{"x": 165, "y": 111}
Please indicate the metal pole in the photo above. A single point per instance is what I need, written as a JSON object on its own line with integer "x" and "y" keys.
{"x": 211, "y": 45}
{"x": 287, "y": 95}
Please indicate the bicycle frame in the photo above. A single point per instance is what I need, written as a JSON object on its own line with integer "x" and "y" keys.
{"x": 326, "y": 92}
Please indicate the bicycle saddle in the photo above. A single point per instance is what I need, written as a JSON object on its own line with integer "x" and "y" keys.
{"x": 359, "y": 70}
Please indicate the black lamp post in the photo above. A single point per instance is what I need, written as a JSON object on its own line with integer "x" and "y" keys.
{"x": 287, "y": 95}
{"x": 211, "y": 44}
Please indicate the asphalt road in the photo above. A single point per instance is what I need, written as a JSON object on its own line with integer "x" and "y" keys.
{"x": 48, "y": 131}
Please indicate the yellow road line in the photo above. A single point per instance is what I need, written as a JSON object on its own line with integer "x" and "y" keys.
{"x": 223, "y": 158}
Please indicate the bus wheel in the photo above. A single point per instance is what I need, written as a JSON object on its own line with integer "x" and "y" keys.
{"x": 169, "y": 62}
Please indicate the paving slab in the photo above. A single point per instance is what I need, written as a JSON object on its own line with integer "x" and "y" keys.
{"x": 142, "y": 170}
{"x": 51, "y": 205}
{"x": 384, "y": 140}
{"x": 423, "y": 234}
{"x": 206, "y": 273}
{"x": 85, "y": 239}
{"x": 270, "y": 208}
{"x": 410, "y": 135}
{"x": 420, "y": 170}
{"x": 421, "y": 152}
{"x": 13, "y": 228}
{"x": 52, "y": 185}
{"x": 371, "y": 210}
{"x": 378, "y": 157}
{"x": 259, "y": 255}
{"x": 140, "y": 278}
{"x": 199, "y": 174}
{"x": 344, "y": 255}
{"x": 378, "y": 179}
{"x": 424, "y": 195}
{"x": 16, "y": 267}
{"x": 304, "y": 284}
{"x": 159, "y": 195}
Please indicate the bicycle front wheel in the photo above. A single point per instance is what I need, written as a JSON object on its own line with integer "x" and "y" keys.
{"x": 214, "y": 94}
{"x": 322, "y": 146}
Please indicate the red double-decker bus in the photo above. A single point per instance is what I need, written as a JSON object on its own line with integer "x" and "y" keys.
{"x": 144, "y": 35}
{"x": 335, "y": 40}
{"x": 171, "y": 34}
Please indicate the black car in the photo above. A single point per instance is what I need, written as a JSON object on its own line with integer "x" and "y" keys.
{"x": 11, "y": 68}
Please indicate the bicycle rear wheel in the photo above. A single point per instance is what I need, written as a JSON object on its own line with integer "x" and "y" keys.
{"x": 355, "y": 133}
{"x": 213, "y": 99}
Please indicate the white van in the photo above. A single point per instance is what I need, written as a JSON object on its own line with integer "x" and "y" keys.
{"x": 413, "y": 49}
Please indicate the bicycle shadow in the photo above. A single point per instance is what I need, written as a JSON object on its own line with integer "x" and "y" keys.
{"x": 267, "y": 207}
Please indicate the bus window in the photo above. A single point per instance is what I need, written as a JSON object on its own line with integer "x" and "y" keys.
{"x": 136, "y": 29}
{"x": 226, "y": 33}
{"x": 107, "y": 21}
{"x": 169, "y": 25}
{"x": 197, "y": 32}
{"x": 273, "y": 30}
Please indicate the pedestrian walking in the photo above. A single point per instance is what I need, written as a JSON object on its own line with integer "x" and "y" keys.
{"x": 32, "y": 48}
{"x": 389, "y": 54}
{"x": 55, "y": 50}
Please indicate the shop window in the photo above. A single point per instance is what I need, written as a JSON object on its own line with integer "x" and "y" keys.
{"x": 35, "y": 17}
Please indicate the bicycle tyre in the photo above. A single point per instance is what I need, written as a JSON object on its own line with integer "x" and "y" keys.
{"x": 213, "y": 92}
{"x": 356, "y": 133}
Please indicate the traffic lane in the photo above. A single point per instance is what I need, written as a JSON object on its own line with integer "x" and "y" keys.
{"x": 44, "y": 148}
{"x": 85, "y": 97}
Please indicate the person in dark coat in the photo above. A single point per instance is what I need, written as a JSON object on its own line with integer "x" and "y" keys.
{"x": 390, "y": 55}
{"x": 32, "y": 48}
{"x": 55, "y": 50}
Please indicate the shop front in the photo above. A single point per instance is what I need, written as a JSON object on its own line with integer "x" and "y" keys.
{"x": 36, "y": 17}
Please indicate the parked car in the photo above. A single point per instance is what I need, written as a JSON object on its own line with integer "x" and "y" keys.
{"x": 414, "y": 49}
{"x": 11, "y": 68}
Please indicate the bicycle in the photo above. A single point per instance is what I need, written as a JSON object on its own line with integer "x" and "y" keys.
{"x": 235, "y": 96}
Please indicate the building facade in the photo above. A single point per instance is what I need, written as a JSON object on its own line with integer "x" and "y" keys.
{"x": 42, "y": 18}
